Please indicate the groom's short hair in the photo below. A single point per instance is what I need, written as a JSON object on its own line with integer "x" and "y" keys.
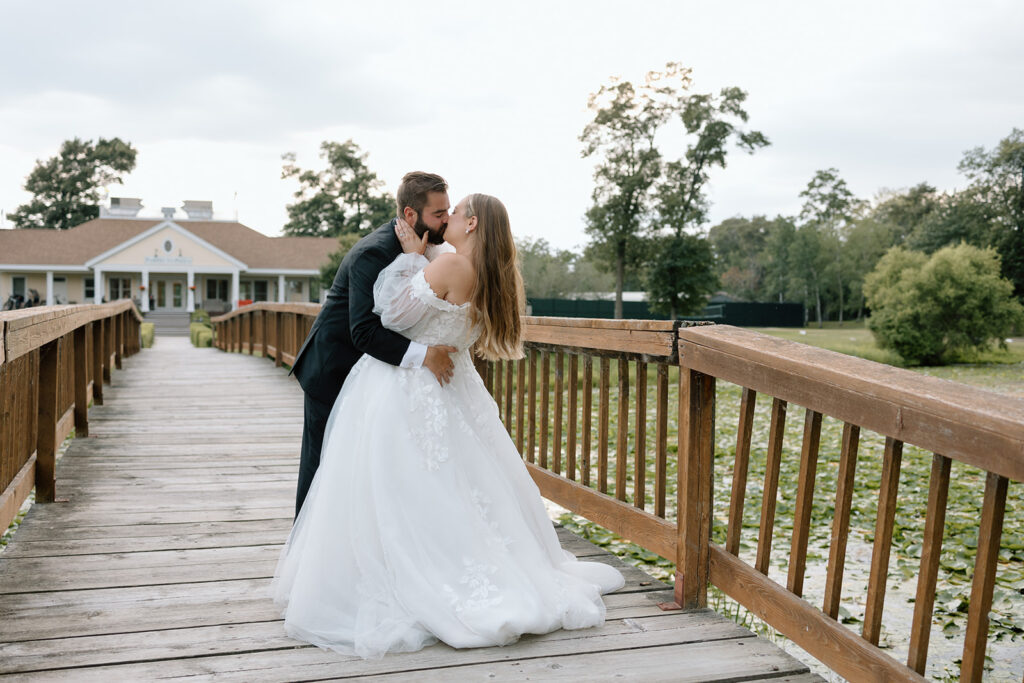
{"x": 415, "y": 187}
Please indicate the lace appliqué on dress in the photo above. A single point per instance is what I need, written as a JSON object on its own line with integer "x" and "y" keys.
{"x": 476, "y": 579}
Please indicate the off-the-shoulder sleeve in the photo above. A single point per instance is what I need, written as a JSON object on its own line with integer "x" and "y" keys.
{"x": 396, "y": 298}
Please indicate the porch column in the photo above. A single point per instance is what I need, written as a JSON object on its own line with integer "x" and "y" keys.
{"x": 145, "y": 291}
{"x": 191, "y": 292}
{"x": 234, "y": 289}
{"x": 97, "y": 286}
{"x": 280, "y": 289}
{"x": 49, "y": 288}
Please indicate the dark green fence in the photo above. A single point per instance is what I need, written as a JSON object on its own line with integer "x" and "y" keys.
{"x": 740, "y": 314}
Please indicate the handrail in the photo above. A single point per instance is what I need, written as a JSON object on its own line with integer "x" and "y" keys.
{"x": 54, "y": 360}
{"x": 549, "y": 411}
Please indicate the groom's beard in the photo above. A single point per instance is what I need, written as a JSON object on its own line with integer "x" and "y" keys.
{"x": 432, "y": 237}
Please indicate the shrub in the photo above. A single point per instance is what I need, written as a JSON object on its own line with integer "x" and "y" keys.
{"x": 935, "y": 310}
{"x": 201, "y": 334}
{"x": 146, "y": 333}
{"x": 201, "y": 316}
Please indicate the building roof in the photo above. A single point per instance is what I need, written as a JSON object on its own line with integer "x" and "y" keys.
{"x": 79, "y": 244}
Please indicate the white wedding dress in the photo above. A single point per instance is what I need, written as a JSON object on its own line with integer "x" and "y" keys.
{"x": 422, "y": 523}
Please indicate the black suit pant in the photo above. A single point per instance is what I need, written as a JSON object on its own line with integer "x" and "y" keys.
{"x": 314, "y": 425}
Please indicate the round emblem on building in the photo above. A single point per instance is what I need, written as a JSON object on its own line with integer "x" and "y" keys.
{"x": 168, "y": 246}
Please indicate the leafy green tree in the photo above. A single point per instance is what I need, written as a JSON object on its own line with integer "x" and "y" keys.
{"x": 550, "y": 273}
{"x": 905, "y": 211}
{"x": 346, "y": 241}
{"x": 681, "y": 274}
{"x": 997, "y": 181}
{"x": 66, "y": 188}
{"x": 345, "y": 197}
{"x": 957, "y": 217}
{"x": 932, "y": 310}
{"x": 829, "y": 207}
{"x": 621, "y": 138}
{"x": 710, "y": 122}
{"x": 778, "y": 271}
{"x": 866, "y": 242}
{"x": 740, "y": 245}
{"x": 808, "y": 258}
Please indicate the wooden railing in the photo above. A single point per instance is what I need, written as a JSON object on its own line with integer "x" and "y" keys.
{"x": 275, "y": 330}
{"x": 53, "y": 362}
{"x": 548, "y": 410}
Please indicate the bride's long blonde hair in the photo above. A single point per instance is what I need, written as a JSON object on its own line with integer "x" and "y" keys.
{"x": 498, "y": 298}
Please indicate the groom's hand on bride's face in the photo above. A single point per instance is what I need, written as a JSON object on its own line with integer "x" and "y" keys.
{"x": 439, "y": 362}
{"x": 411, "y": 244}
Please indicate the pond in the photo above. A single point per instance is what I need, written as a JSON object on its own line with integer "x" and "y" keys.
{"x": 1006, "y": 637}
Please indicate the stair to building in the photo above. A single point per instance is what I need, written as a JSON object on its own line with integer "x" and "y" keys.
{"x": 169, "y": 324}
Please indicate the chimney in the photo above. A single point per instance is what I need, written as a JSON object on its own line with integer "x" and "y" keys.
{"x": 168, "y": 212}
{"x": 121, "y": 207}
{"x": 198, "y": 210}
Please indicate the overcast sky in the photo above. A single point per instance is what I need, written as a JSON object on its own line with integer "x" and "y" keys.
{"x": 493, "y": 95}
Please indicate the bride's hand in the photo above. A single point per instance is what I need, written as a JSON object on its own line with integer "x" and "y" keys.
{"x": 411, "y": 244}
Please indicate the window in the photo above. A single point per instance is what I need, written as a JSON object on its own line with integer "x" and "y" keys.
{"x": 216, "y": 289}
{"x": 120, "y": 288}
{"x": 295, "y": 286}
{"x": 18, "y": 285}
{"x": 260, "y": 290}
{"x": 90, "y": 288}
{"x": 245, "y": 290}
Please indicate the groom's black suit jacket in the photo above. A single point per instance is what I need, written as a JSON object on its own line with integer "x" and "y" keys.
{"x": 346, "y": 327}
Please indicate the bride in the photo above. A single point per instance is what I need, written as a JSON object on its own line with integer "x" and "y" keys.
{"x": 422, "y": 523}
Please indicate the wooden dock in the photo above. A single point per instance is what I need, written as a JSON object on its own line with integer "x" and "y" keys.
{"x": 156, "y": 559}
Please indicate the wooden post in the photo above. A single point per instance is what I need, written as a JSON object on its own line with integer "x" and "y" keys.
{"x": 661, "y": 438}
{"x": 545, "y": 376}
{"x": 97, "y": 362}
{"x": 990, "y": 530}
{"x": 695, "y": 487}
{"x": 931, "y": 548}
{"x": 46, "y": 424}
{"x": 622, "y": 431}
{"x": 773, "y": 462}
{"x": 118, "y": 339}
{"x": 108, "y": 347}
{"x": 739, "y": 471}
{"x": 841, "y": 519}
{"x": 640, "y": 449}
{"x": 264, "y": 332}
{"x": 81, "y": 382}
{"x": 300, "y": 335}
{"x": 278, "y": 335}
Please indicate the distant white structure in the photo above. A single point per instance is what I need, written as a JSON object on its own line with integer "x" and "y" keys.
{"x": 166, "y": 264}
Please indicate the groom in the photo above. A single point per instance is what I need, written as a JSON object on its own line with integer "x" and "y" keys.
{"x": 346, "y": 327}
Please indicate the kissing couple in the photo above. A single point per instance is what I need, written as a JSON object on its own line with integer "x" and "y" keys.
{"x": 416, "y": 519}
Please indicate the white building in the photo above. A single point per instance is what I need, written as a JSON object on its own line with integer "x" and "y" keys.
{"x": 164, "y": 264}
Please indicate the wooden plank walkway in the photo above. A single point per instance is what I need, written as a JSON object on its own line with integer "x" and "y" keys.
{"x": 156, "y": 563}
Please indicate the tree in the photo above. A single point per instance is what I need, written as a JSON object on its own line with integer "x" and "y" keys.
{"x": 997, "y": 181}
{"x": 550, "y": 273}
{"x": 829, "y": 207}
{"x": 346, "y": 197}
{"x": 327, "y": 271}
{"x": 866, "y": 242}
{"x": 905, "y": 211}
{"x": 66, "y": 188}
{"x": 710, "y": 123}
{"x": 621, "y": 136}
{"x": 931, "y": 310}
{"x": 807, "y": 259}
{"x": 739, "y": 245}
{"x": 778, "y": 275}
{"x": 681, "y": 274}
